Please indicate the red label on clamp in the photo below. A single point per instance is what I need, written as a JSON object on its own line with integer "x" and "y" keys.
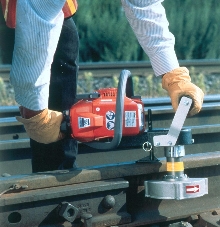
{"x": 192, "y": 188}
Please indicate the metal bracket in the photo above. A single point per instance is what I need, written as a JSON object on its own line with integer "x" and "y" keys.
{"x": 176, "y": 125}
{"x": 15, "y": 187}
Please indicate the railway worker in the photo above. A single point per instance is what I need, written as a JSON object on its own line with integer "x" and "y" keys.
{"x": 37, "y": 34}
{"x": 32, "y": 65}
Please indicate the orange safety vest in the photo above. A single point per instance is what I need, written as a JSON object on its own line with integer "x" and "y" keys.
{"x": 9, "y": 10}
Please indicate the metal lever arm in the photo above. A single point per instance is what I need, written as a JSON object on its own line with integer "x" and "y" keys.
{"x": 176, "y": 125}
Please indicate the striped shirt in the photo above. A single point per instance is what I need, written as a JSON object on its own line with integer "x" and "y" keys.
{"x": 34, "y": 48}
{"x": 149, "y": 23}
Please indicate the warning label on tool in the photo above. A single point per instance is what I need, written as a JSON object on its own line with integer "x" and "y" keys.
{"x": 130, "y": 118}
{"x": 83, "y": 122}
{"x": 110, "y": 120}
{"x": 192, "y": 188}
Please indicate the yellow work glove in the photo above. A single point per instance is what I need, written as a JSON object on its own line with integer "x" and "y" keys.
{"x": 43, "y": 127}
{"x": 178, "y": 83}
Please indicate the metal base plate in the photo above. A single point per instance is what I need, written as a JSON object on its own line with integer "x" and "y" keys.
{"x": 177, "y": 189}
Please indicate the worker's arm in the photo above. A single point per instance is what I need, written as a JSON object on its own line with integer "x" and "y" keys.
{"x": 149, "y": 23}
{"x": 38, "y": 27}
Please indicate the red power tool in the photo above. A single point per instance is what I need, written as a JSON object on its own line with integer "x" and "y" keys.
{"x": 107, "y": 113}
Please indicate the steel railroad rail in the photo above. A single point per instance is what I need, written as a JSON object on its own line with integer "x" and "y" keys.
{"x": 15, "y": 155}
{"x": 106, "y": 69}
{"x": 109, "y": 195}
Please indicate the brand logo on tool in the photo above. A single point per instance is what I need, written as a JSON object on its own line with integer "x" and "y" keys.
{"x": 192, "y": 188}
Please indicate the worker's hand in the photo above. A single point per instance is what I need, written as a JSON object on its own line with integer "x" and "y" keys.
{"x": 178, "y": 83}
{"x": 42, "y": 126}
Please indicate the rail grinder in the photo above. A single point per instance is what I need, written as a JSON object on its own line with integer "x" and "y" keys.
{"x": 107, "y": 114}
{"x": 111, "y": 113}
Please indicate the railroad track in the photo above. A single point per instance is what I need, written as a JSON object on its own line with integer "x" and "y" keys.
{"x": 106, "y": 69}
{"x": 110, "y": 195}
{"x": 108, "y": 187}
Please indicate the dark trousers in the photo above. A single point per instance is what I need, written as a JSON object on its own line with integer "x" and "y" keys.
{"x": 63, "y": 86}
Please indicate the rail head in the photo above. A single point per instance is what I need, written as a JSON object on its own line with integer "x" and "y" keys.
{"x": 105, "y": 172}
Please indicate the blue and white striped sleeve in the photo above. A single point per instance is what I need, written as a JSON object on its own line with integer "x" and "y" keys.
{"x": 38, "y": 27}
{"x": 149, "y": 23}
